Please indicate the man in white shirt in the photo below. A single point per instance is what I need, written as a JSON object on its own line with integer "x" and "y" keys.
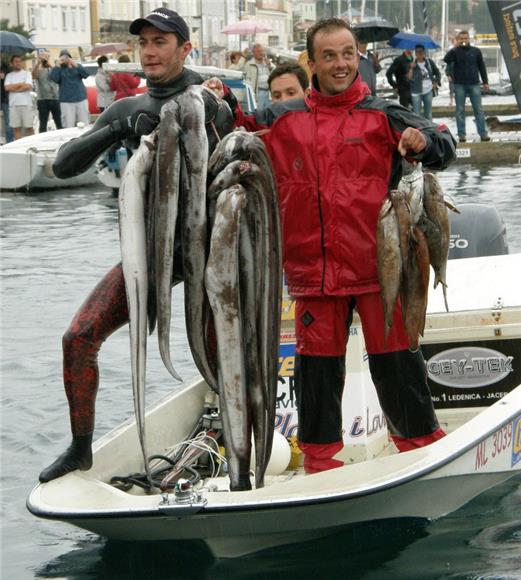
{"x": 19, "y": 84}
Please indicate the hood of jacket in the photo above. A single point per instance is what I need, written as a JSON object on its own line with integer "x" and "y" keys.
{"x": 347, "y": 99}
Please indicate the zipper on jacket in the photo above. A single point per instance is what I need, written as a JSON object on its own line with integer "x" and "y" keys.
{"x": 321, "y": 217}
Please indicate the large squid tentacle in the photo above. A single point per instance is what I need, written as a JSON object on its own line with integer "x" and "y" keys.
{"x": 194, "y": 225}
{"x": 221, "y": 279}
{"x": 259, "y": 179}
{"x": 242, "y": 158}
{"x": 133, "y": 257}
{"x": 252, "y": 279}
{"x": 168, "y": 164}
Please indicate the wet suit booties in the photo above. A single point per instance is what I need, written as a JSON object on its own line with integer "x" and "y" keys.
{"x": 77, "y": 456}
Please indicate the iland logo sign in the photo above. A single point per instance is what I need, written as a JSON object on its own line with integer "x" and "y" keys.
{"x": 469, "y": 367}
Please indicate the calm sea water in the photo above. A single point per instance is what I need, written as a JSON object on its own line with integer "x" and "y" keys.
{"x": 55, "y": 247}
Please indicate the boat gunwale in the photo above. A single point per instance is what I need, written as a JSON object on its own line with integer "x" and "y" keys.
{"x": 176, "y": 510}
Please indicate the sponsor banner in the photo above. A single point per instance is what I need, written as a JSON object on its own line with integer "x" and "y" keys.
{"x": 506, "y": 17}
{"x": 474, "y": 374}
{"x": 362, "y": 417}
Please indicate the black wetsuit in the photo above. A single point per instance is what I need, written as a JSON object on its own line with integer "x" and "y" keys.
{"x": 116, "y": 123}
{"x": 105, "y": 309}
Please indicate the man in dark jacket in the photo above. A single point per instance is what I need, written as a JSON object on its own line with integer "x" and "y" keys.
{"x": 398, "y": 77}
{"x": 164, "y": 42}
{"x": 335, "y": 156}
{"x": 466, "y": 66}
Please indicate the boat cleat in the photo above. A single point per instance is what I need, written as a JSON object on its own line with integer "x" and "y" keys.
{"x": 185, "y": 499}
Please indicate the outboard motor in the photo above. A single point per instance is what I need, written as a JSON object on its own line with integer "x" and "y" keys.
{"x": 478, "y": 230}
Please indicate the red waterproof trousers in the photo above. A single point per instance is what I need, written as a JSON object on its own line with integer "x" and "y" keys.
{"x": 399, "y": 375}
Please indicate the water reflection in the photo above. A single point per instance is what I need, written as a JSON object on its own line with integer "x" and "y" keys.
{"x": 348, "y": 554}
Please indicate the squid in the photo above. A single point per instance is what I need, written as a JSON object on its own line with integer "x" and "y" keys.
{"x": 216, "y": 219}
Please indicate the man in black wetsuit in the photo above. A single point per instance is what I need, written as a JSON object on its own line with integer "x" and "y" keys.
{"x": 163, "y": 44}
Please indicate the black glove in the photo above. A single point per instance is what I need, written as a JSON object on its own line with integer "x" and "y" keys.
{"x": 138, "y": 124}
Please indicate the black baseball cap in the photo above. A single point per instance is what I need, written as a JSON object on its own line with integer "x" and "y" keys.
{"x": 164, "y": 19}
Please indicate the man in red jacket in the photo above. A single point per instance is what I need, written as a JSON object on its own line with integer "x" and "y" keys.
{"x": 336, "y": 155}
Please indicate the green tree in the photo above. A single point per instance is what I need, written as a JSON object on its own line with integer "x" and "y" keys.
{"x": 19, "y": 29}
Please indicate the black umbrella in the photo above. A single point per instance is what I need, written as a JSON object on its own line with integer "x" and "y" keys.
{"x": 375, "y": 30}
{"x": 13, "y": 43}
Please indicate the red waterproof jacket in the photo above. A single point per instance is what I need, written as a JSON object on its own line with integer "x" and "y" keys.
{"x": 124, "y": 85}
{"x": 335, "y": 160}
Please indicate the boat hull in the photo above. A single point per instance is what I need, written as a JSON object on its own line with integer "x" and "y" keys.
{"x": 481, "y": 450}
{"x": 27, "y": 162}
{"x": 426, "y": 483}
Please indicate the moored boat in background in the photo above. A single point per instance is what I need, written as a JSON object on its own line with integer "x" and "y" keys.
{"x": 27, "y": 162}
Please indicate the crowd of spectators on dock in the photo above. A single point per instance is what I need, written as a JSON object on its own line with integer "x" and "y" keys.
{"x": 61, "y": 94}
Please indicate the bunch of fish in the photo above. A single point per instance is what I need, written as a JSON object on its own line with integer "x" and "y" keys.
{"x": 231, "y": 264}
{"x": 413, "y": 233}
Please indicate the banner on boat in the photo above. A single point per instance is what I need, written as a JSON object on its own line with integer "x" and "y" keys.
{"x": 473, "y": 374}
{"x": 506, "y": 17}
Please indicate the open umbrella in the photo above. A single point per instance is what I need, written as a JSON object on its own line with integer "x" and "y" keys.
{"x": 107, "y": 48}
{"x": 245, "y": 27}
{"x": 13, "y": 43}
{"x": 408, "y": 40}
{"x": 375, "y": 30}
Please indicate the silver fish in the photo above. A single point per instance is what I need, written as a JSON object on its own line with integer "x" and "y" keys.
{"x": 411, "y": 184}
{"x": 436, "y": 210}
{"x": 132, "y": 234}
{"x": 414, "y": 290}
{"x": 388, "y": 260}
{"x": 404, "y": 219}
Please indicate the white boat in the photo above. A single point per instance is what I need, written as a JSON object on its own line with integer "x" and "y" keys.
{"x": 27, "y": 162}
{"x": 473, "y": 356}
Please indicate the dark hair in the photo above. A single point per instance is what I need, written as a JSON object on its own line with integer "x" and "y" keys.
{"x": 419, "y": 47}
{"x": 290, "y": 69}
{"x": 235, "y": 54}
{"x": 124, "y": 58}
{"x": 325, "y": 24}
{"x": 15, "y": 56}
{"x": 101, "y": 59}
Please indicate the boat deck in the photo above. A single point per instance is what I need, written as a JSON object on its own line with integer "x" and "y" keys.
{"x": 450, "y": 420}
